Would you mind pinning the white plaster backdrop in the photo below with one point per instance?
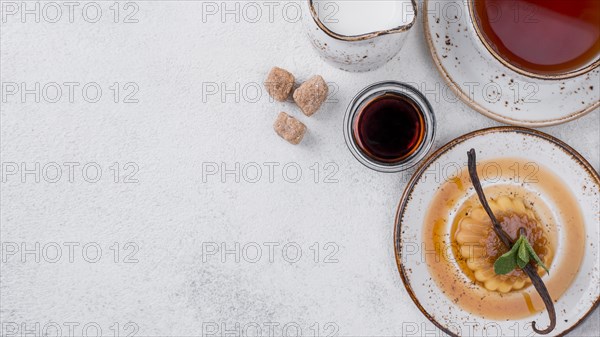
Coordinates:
(144, 252)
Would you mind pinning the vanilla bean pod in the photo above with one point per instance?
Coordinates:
(529, 270)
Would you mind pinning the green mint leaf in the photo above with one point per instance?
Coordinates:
(523, 255)
(507, 262)
(521, 263)
(534, 256)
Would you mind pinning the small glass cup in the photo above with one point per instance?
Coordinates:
(373, 91)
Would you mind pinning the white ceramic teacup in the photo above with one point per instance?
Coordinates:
(358, 35)
(522, 16)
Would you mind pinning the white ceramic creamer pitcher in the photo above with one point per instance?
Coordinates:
(358, 35)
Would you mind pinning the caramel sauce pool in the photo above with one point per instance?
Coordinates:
(560, 218)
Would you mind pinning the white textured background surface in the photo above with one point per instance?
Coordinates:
(171, 214)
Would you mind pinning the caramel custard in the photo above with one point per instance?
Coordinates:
(479, 247)
(458, 229)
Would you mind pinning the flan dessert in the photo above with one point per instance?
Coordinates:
(480, 247)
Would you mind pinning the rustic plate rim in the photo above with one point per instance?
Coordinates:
(435, 155)
(475, 106)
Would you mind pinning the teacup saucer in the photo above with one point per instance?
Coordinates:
(491, 88)
(540, 153)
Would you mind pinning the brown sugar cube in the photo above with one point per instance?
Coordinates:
(279, 83)
(311, 94)
(289, 128)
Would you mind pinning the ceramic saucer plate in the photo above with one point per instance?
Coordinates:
(581, 296)
(491, 88)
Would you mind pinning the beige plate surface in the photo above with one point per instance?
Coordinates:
(489, 87)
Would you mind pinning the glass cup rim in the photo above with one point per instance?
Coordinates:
(474, 19)
(379, 89)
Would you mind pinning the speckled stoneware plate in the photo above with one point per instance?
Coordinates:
(541, 153)
(488, 86)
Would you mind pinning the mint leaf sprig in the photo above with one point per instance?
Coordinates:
(519, 255)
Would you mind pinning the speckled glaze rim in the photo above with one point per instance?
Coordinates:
(471, 103)
(361, 37)
(559, 76)
(423, 167)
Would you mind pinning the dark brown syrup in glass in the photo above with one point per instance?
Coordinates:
(389, 128)
(546, 37)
